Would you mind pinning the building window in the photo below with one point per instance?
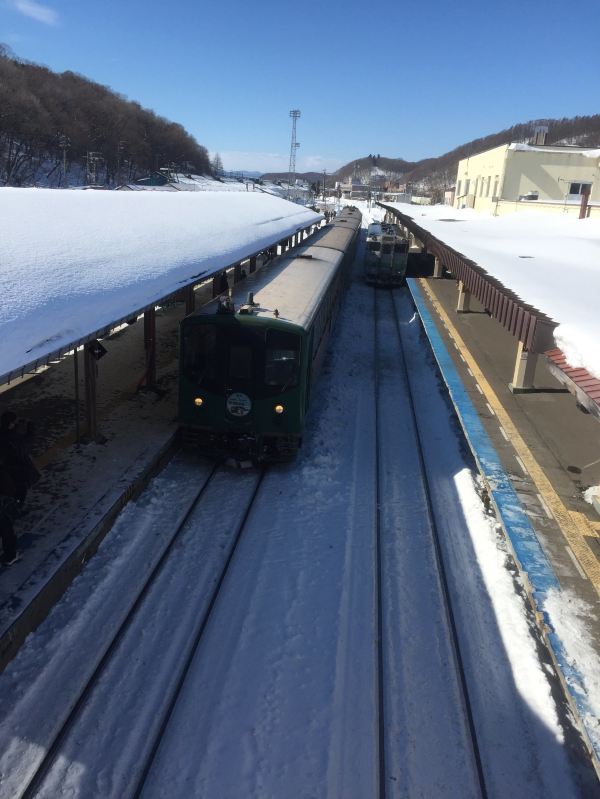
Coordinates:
(580, 188)
(467, 185)
(476, 187)
(496, 183)
(458, 188)
(487, 188)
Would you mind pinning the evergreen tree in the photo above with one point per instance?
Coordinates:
(217, 165)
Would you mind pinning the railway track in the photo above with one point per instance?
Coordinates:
(316, 631)
(424, 560)
(109, 701)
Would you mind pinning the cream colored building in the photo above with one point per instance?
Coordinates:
(518, 177)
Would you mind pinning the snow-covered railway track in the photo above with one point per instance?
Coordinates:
(410, 558)
(451, 641)
(106, 729)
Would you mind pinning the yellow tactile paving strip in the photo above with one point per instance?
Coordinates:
(575, 526)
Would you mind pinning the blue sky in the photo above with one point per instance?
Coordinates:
(404, 79)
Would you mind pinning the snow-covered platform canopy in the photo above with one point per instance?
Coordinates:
(74, 264)
(539, 274)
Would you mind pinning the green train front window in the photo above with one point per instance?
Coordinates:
(282, 358)
(240, 362)
(200, 353)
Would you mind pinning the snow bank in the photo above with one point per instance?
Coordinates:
(73, 262)
(551, 262)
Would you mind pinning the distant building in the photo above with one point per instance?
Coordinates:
(353, 189)
(515, 177)
(158, 178)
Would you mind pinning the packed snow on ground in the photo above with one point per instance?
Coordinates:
(548, 260)
(73, 262)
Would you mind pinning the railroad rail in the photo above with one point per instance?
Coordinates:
(389, 342)
(51, 770)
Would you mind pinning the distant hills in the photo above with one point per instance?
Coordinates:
(62, 129)
(435, 174)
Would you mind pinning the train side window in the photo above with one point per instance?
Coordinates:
(282, 358)
(240, 362)
(199, 353)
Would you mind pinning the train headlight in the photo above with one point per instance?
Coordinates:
(198, 401)
(279, 409)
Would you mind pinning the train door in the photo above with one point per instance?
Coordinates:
(242, 354)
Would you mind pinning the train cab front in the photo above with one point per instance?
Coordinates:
(240, 388)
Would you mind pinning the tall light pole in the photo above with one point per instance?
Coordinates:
(295, 115)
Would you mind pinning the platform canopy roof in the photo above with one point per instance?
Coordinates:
(74, 264)
(547, 263)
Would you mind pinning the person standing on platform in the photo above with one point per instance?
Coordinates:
(16, 438)
(8, 511)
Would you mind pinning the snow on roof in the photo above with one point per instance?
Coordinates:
(587, 152)
(73, 263)
(551, 261)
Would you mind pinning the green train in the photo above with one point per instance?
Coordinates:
(248, 364)
(386, 255)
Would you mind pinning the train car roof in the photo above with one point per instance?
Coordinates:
(335, 237)
(293, 284)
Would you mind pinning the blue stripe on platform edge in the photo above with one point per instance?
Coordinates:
(515, 522)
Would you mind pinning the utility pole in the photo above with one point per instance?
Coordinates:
(324, 175)
(295, 115)
(120, 148)
(65, 143)
(93, 158)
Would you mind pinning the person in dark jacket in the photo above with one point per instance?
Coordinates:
(16, 439)
(8, 512)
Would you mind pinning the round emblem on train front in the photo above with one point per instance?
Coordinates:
(239, 404)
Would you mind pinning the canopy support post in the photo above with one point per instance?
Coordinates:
(525, 364)
(464, 299)
(90, 365)
(150, 346)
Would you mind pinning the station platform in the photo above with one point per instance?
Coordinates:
(84, 485)
(548, 445)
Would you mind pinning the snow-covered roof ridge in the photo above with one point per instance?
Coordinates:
(74, 262)
(587, 152)
(550, 261)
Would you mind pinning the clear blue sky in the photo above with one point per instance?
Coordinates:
(404, 79)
